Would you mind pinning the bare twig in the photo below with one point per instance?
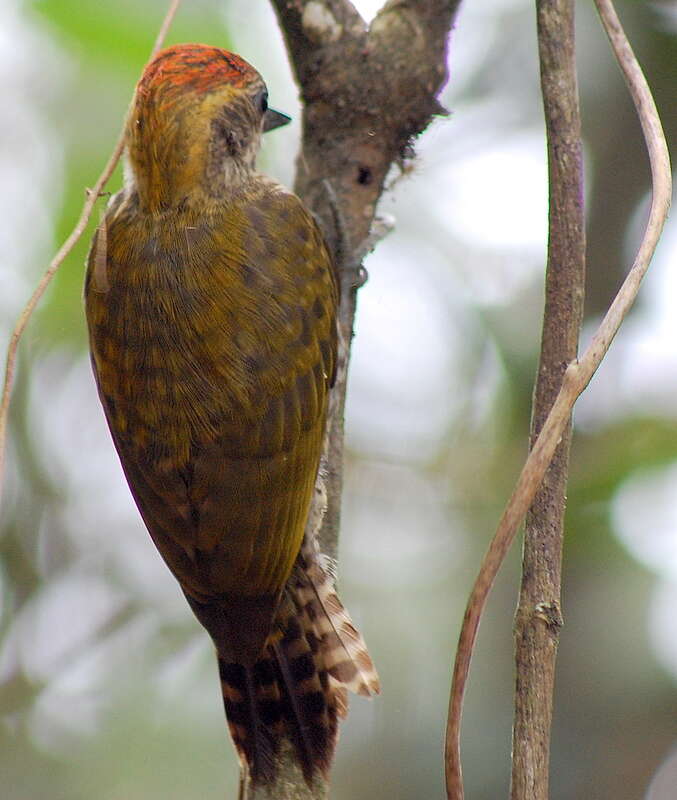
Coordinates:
(538, 617)
(577, 376)
(164, 27)
(92, 196)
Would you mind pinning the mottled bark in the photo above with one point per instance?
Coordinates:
(367, 91)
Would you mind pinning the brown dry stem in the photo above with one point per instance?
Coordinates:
(538, 617)
(92, 195)
(576, 377)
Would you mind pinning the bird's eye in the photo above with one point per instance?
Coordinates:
(262, 101)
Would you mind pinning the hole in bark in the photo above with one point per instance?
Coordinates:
(364, 176)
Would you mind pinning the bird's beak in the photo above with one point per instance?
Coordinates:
(274, 119)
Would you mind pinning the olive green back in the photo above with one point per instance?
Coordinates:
(213, 338)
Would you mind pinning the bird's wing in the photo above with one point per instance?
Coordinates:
(214, 345)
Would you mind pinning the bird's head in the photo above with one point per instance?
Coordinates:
(196, 124)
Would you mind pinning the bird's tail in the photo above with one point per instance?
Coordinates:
(298, 689)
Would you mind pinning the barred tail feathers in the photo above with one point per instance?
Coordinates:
(252, 703)
(285, 694)
(298, 689)
(342, 648)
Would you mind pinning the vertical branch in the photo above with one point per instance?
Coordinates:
(289, 782)
(538, 618)
(348, 74)
(555, 19)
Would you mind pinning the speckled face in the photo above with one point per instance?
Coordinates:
(209, 81)
(236, 128)
(198, 115)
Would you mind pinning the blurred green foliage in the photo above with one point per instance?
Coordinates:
(109, 43)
